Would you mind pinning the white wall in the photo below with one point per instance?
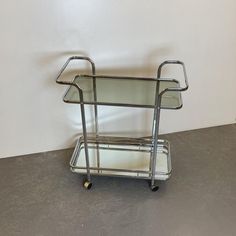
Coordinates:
(123, 37)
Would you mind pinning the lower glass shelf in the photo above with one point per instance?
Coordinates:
(115, 158)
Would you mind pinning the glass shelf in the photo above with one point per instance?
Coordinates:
(127, 160)
(124, 91)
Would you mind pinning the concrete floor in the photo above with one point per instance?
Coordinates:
(40, 196)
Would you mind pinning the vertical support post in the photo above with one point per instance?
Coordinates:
(95, 112)
(155, 133)
(85, 135)
(155, 141)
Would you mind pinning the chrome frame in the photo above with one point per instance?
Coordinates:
(121, 144)
(151, 142)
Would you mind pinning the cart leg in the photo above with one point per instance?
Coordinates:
(96, 117)
(87, 183)
(155, 131)
(154, 151)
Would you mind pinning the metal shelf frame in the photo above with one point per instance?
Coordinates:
(151, 144)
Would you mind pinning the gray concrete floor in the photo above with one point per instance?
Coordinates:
(40, 196)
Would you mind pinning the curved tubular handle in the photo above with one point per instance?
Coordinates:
(66, 64)
(184, 72)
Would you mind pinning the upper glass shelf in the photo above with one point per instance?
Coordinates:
(124, 91)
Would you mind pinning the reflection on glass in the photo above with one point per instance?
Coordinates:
(115, 91)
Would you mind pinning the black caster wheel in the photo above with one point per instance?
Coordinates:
(87, 184)
(154, 188)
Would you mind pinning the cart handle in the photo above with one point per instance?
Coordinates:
(184, 72)
(67, 63)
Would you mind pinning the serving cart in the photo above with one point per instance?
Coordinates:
(144, 157)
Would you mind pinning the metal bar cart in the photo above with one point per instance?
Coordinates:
(145, 157)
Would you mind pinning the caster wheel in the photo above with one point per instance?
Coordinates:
(87, 184)
(154, 188)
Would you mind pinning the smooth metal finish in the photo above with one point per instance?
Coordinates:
(95, 109)
(149, 145)
(156, 117)
(81, 105)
